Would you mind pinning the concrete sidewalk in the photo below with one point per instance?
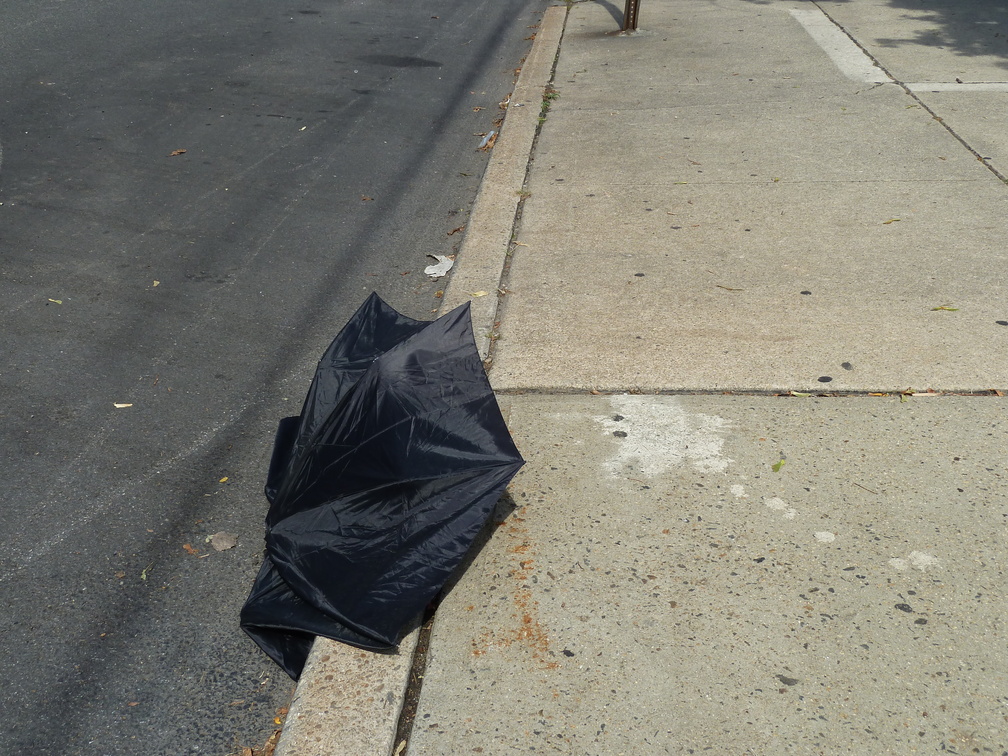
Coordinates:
(665, 591)
(752, 342)
(740, 199)
(692, 181)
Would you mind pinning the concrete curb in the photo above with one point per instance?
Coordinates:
(476, 277)
(348, 701)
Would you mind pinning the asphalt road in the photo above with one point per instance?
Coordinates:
(193, 198)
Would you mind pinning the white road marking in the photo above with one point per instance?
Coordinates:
(847, 56)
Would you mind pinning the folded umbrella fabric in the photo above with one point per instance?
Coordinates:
(379, 488)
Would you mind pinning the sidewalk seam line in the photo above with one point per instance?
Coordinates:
(519, 209)
(413, 688)
(414, 682)
(784, 393)
(487, 241)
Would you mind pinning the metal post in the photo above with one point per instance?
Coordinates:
(630, 15)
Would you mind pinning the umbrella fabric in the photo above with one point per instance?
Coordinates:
(381, 485)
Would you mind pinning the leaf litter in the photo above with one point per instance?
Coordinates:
(223, 540)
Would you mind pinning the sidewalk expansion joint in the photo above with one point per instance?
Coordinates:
(411, 696)
(512, 246)
(906, 394)
(477, 275)
(983, 160)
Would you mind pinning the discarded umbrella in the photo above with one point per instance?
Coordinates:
(378, 489)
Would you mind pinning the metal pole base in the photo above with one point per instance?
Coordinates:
(630, 15)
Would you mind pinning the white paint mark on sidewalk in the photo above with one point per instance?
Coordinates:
(919, 560)
(779, 505)
(656, 434)
(847, 56)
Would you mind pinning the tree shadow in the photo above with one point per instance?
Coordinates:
(967, 28)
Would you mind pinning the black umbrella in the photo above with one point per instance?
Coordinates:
(380, 486)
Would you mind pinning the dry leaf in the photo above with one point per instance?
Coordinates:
(268, 748)
(456, 230)
(223, 480)
(121, 405)
(56, 301)
(189, 549)
(223, 541)
(175, 153)
(365, 198)
(891, 220)
(477, 294)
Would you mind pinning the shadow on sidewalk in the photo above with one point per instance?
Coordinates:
(968, 28)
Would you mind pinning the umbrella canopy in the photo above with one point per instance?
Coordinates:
(380, 486)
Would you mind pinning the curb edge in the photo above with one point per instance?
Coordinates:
(485, 249)
(348, 700)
